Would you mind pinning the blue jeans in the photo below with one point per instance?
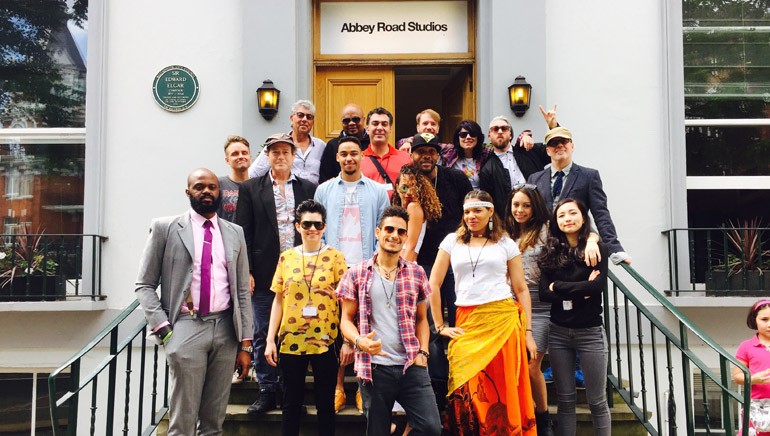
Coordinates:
(411, 389)
(261, 303)
(563, 345)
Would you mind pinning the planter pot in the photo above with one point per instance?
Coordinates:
(720, 283)
(33, 288)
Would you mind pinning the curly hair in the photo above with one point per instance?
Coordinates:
(494, 235)
(527, 233)
(426, 193)
(557, 253)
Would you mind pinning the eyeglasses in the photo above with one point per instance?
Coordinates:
(354, 119)
(500, 128)
(524, 185)
(390, 229)
(464, 135)
(302, 115)
(319, 225)
(403, 189)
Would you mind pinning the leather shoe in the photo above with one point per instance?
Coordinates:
(359, 402)
(339, 399)
(264, 403)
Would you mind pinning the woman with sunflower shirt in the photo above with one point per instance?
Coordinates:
(305, 319)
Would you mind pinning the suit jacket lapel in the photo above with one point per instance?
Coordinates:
(544, 185)
(268, 202)
(573, 176)
(186, 235)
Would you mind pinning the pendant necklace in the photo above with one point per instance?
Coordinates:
(388, 298)
(474, 265)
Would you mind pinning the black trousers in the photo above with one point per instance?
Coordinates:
(293, 369)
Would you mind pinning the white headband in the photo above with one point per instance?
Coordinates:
(478, 204)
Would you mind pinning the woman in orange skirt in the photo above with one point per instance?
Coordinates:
(488, 373)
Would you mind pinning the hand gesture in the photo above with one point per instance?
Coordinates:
(592, 255)
(407, 145)
(452, 332)
(370, 345)
(525, 140)
(549, 116)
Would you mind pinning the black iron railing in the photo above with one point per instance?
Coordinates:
(86, 369)
(720, 261)
(50, 267)
(652, 364)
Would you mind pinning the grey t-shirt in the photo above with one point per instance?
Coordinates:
(229, 191)
(384, 320)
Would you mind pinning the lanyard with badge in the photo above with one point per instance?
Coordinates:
(309, 310)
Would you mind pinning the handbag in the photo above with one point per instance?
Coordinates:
(759, 414)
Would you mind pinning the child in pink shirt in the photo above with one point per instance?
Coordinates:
(755, 354)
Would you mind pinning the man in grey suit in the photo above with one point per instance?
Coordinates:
(204, 309)
(566, 179)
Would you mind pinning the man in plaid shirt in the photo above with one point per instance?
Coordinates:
(388, 295)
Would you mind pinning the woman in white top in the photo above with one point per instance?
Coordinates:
(488, 374)
(416, 194)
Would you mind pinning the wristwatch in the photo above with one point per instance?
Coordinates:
(247, 348)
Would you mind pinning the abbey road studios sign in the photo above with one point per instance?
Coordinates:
(176, 88)
(394, 27)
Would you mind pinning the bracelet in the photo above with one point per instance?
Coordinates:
(529, 330)
(355, 344)
(424, 353)
(346, 342)
(168, 335)
(440, 328)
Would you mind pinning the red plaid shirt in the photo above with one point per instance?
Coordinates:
(411, 288)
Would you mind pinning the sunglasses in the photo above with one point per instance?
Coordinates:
(464, 135)
(354, 119)
(302, 115)
(557, 142)
(319, 225)
(500, 128)
(390, 229)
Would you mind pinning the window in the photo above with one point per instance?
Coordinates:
(42, 114)
(727, 112)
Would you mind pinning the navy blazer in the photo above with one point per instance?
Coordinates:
(256, 214)
(582, 184)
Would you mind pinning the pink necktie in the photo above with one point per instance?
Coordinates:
(205, 297)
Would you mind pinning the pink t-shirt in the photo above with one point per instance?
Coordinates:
(757, 359)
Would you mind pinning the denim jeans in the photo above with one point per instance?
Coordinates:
(411, 389)
(293, 369)
(261, 303)
(563, 345)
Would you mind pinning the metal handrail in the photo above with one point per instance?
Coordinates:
(77, 384)
(627, 318)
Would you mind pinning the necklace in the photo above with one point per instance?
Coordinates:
(388, 298)
(474, 265)
(384, 272)
(315, 265)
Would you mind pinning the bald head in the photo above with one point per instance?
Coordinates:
(203, 192)
(350, 113)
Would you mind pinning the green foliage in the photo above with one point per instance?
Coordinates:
(26, 256)
(30, 79)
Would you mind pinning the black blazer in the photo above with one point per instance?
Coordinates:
(582, 184)
(256, 214)
(494, 178)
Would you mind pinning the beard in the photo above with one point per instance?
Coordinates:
(202, 208)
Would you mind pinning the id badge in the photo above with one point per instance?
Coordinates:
(566, 304)
(311, 311)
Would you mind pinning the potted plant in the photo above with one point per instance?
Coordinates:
(27, 270)
(743, 269)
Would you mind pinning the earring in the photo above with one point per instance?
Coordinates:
(490, 224)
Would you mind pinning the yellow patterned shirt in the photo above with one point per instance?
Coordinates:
(311, 318)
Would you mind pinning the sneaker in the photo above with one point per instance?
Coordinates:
(264, 403)
(339, 399)
(359, 402)
(236, 378)
(579, 379)
(548, 375)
